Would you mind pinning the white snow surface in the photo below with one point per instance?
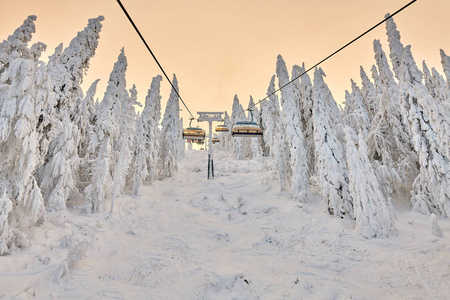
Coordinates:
(235, 237)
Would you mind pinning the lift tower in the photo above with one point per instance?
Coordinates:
(210, 117)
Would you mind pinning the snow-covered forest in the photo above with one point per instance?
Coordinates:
(67, 157)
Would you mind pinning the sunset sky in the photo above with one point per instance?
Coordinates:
(221, 48)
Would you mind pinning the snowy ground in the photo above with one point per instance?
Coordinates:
(235, 237)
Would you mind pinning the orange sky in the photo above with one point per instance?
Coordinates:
(221, 48)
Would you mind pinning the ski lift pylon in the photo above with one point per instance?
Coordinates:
(246, 128)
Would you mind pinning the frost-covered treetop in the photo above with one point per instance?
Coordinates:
(17, 42)
(411, 73)
(76, 57)
(395, 44)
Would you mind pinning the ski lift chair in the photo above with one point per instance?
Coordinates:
(246, 128)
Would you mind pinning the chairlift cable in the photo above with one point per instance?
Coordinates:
(154, 57)
(334, 53)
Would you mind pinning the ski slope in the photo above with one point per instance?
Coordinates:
(235, 237)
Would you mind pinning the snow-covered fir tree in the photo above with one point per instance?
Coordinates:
(59, 173)
(356, 115)
(332, 173)
(389, 142)
(106, 134)
(170, 134)
(373, 212)
(306, 108)
(395, 45)
(445, 61)
(369, 95)
(237, 115)
(140, 153)
(24, 90)
(436, 84)
(66, 71)
(181, 152)
(294, 134)
(122, 148)
(256, 151)
(278, 145)
(84, 118)
(151, 116)
(431, 188)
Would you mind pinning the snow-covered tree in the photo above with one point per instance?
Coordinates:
(373, 212)
(67, 67)
(395, 45)
(59, 173)
(306, 108)
(84, 119)
(122, 148)
(445, 61)
(170, 134)
(22, 95)
(428, 125)
(356, 115)
(16, 45)
(256, 151)
(277, 136)
(106, 134)
(332, 172)
(294, 133)
(181, 151)
(369, 95)
(237, 115)
(436, 84)
(389, 140)
(138, 166)
(58, 176)
(151, 116)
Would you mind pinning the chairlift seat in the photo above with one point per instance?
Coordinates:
(222, 128)
(246, 129)
(194, 133)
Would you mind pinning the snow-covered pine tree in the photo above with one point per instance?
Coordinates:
(226, 139)
(6, 207)
(106, 133)
(122, 148)
(442, 90)
(389, 141)
(395, 45)
(138, 166)
(237, 115)
(150, 117)
(59, 173)
(306, 108)
(445, 61)
(181, 151)
(332, 172)
(356, 115)
(170, 134)
(67, 67)
(294, 134)
(377, 82)
(16, 45)
(428, 125)
(373, 212)
(369, 95)
(84, 118)
(256, 151)
(22, 95)
(67, 75)
(277, 143)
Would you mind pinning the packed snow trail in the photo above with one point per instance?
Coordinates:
(235, 237)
